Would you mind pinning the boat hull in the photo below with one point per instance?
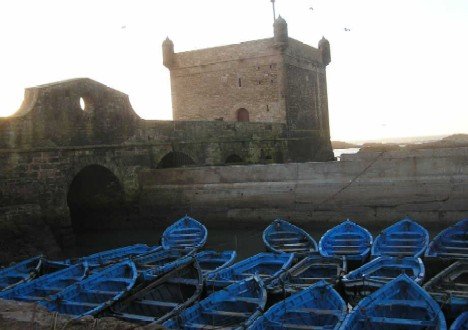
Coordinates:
(347, 240)
(268, 266)
(185, 234)
(400, 304)
(372, 276)
(305, 273)
(231, 308)
(46, 285)
(451, 243)
(461, 322)
(405, 238)
(92, 295)
(163, 298)
(282, 236)
(316, 307)
(19, 272)
(450, 289)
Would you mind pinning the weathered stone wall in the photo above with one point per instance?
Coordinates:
(24, 233)
(430, 185)
(212, 84)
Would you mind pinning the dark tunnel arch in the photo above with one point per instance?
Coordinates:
(233, 159)
(175, 159)
(95, 198)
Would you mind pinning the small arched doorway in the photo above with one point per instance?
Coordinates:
(233, 159)
(242, 115)
(95, 198)
(175, 159)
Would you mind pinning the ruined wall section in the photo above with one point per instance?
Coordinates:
(51, 115)
(212, 84)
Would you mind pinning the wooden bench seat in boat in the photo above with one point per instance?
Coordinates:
(157, 303)
(397, 321)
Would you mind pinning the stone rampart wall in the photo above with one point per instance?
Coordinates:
(430, 185)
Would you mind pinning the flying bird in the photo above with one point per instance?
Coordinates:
(346, 29)
(311, 8)
(123, 27)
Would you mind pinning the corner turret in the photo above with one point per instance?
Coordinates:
(280, 28)
(324, 47)
(168, 52)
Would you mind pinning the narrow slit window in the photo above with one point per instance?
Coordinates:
(240, 82)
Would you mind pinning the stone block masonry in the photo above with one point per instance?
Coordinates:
(430, 185)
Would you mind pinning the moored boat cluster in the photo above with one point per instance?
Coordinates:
(346, 281)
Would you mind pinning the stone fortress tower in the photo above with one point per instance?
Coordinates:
(277, 80)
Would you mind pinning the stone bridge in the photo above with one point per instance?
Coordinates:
(76, 148)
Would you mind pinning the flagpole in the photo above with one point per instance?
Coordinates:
(274, 14)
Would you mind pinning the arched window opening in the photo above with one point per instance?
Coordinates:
(86, 103)
(175, 159)
(242, 115)
(233, 159)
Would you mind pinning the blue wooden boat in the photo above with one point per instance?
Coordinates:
(450, 289)
(153, 264)
(282, 236)
(96, 292)
(317, 307)
(46, 285)
(461, 322)
(212, 261)
(19, 272)
(451, 243)
(163, 298)
(347, 239)
(230, 308)
(406, 238)
(306, 272)
(103, 258)
(399, 304)
(267, 266)
(185, 233)
(375, 274)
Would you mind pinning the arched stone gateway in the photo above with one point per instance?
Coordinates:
(175, 159)
(95, 198)
(233, 159)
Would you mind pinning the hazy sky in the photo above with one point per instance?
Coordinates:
(402, 70)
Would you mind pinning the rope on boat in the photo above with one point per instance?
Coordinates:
(55, 321)
(380, 155)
